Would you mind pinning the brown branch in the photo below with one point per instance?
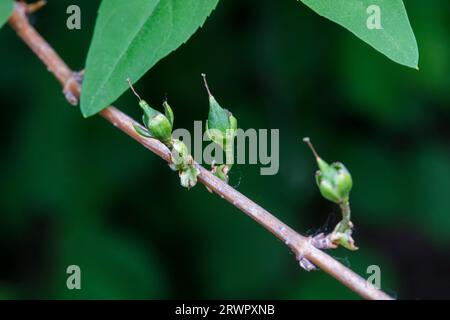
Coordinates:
(301, 246)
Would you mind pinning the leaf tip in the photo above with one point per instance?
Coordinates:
(86, 106)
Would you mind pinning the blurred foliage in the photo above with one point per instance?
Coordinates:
(78, 191)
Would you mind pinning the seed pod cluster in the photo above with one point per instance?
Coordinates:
(159, 126)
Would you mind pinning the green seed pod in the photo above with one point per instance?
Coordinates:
(159, 126)
(334, 181)
(327, 190)
(343, 181)
(221, 125)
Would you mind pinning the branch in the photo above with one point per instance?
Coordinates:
(301, 246)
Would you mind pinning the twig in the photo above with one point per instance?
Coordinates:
(36, 6)
(301, 246)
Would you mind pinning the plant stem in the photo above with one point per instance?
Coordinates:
(229, 157)
(345, 222)
(300, 245)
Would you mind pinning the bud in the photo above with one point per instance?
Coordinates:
(188, 176)
(221, 126)
(183, 163)
(334, 181)
(180, 155)
(159, 126)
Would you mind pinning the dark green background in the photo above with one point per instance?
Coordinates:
(77, 191)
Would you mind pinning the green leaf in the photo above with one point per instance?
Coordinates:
(395, 39)
(6, 8)
(129, 38)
